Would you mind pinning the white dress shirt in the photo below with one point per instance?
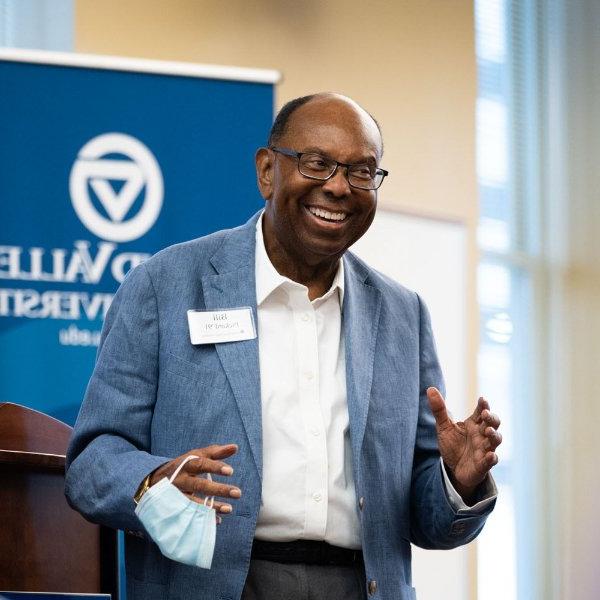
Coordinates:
(308, 486)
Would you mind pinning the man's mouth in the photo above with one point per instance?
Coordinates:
(326, 215)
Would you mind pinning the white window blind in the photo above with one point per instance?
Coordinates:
(507, 168)
(38, 24)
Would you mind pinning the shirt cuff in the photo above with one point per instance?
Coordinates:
(486, 493)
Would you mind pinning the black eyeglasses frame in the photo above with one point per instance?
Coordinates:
(298, 155)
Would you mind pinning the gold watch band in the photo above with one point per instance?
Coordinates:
(144, 486)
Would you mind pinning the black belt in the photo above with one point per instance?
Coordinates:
(310, 552)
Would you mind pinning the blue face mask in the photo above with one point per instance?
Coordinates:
(184, 530)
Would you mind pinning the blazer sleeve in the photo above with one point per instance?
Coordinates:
(435, 524)
(108, 455)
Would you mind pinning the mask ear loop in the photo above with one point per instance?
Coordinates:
(212, 498)
(187, 459)
(183, 462)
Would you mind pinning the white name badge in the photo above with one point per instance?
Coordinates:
(215, 326)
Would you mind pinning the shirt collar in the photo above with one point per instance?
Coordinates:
(268, 279)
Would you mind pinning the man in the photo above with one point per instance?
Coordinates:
(323, 423)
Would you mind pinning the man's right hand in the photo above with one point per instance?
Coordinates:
(209, 462)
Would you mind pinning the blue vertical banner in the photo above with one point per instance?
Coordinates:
(103, 162)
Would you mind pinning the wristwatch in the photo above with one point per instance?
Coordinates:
(144, 487)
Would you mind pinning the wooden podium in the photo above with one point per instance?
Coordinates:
(45, 546)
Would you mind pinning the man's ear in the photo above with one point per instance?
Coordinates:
(264, 172)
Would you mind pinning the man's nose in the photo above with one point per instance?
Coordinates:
(338, 185)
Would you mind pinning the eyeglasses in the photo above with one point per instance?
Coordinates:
(316, 166)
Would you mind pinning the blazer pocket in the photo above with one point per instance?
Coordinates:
(189, 370)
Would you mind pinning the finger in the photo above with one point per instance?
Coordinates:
(217, 451)
(438, 407)
(220, 507)
(211, 452)
(489, 460)
(494, 438)
(491, 419)
(207, 465)
(223, 507)
(199, 485)
(482, 404)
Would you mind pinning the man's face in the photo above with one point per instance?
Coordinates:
(337, 129)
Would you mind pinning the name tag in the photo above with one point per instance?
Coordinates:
(215, 326)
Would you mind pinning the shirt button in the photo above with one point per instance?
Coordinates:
(317, 497)
(309, 375)
(306, 317)
(315, 432)
(361, 502)
(372, 587)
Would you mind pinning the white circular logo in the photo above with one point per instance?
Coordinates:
(139, 172)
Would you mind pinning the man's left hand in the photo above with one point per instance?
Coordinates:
(467, 447)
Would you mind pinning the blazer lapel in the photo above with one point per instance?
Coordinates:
(232, 287)
(360, 323)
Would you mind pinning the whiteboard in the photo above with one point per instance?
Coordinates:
(429, 256)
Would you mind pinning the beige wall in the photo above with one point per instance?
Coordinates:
(409, 62)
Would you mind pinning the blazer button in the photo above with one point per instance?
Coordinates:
(361, 502)
(372, 587)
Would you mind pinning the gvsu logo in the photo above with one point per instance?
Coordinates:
(138, 171)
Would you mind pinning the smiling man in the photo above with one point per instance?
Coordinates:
(315, 211)
(326, 434)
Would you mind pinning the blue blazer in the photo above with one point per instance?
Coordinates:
(154, 396)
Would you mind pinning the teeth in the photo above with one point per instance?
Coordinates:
(339, 216)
